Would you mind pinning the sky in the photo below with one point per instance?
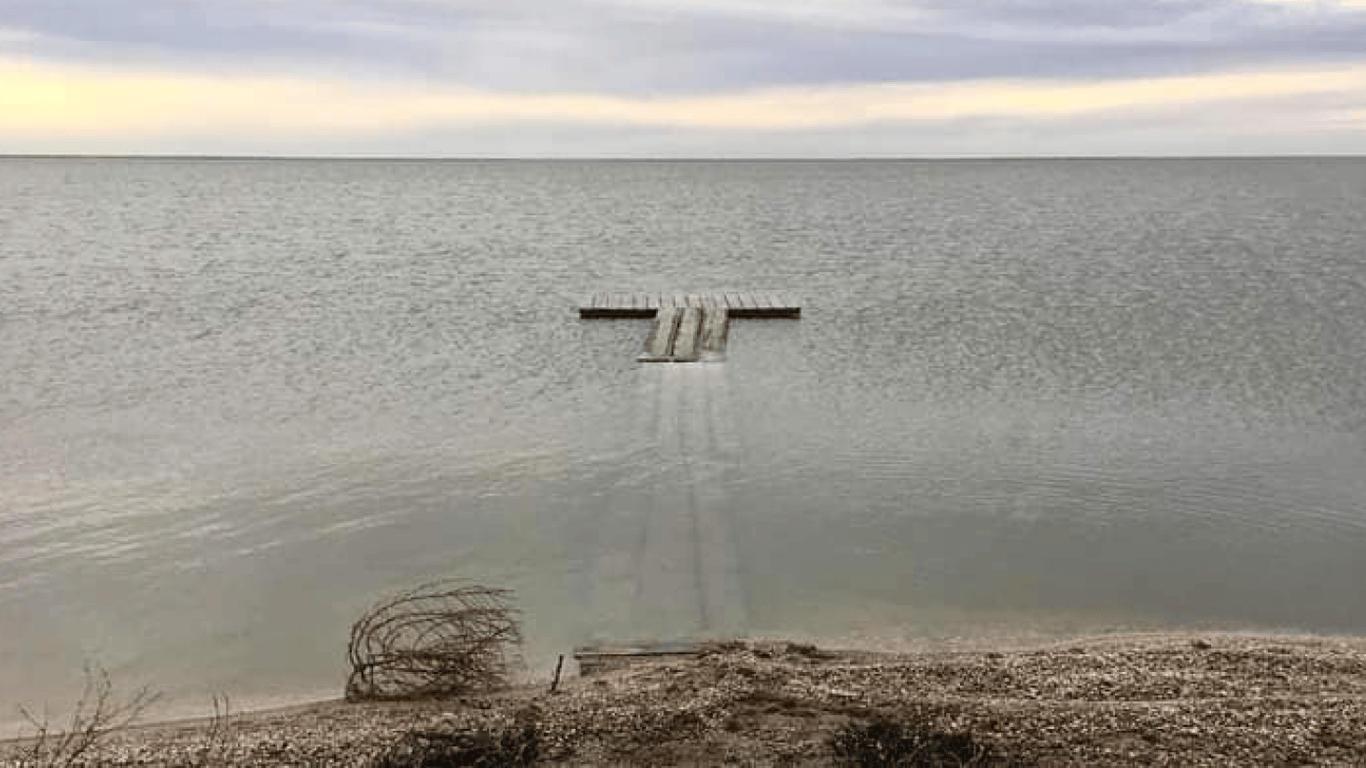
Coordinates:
(683, 78)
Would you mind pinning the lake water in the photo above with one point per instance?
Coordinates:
(241, 400)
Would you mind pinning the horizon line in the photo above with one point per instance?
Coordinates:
(660, 158)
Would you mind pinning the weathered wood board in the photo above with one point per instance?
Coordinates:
(659, 347)
(689, 329)
(715, 323)
(747, 304)
(596, 659)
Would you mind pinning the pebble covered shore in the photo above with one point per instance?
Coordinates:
(1190, 700)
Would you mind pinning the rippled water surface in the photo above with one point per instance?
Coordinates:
(240, 400)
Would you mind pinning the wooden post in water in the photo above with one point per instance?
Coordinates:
(556, 682)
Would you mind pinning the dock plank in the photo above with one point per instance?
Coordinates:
(715, 324)
(598, 659)
(689, 329)
(659, 346)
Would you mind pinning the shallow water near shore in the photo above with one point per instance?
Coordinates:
(241, 400)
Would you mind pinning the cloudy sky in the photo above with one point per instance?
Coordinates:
(683, 77)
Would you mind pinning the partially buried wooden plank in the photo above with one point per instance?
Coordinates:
(689, 328)
(659, 346)
(714, 325)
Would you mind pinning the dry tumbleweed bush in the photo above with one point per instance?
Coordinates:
(442, 638)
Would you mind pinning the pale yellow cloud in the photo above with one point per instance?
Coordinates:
(1325, 4)
(46, 100)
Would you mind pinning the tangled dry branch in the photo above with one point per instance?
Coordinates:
(440, 639)
(97, 713)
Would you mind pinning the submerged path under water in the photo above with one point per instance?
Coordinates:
(681, 578)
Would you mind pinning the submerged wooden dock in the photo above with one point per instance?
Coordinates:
(688, 327)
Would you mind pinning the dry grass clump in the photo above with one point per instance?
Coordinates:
(444, 638)
(884, 742)
(439, 749)
(96, 714)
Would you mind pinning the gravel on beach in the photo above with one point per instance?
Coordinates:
(1188, 700)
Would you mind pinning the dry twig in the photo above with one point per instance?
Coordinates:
(96, 714)
(211, 750)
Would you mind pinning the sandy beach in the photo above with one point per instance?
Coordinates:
(1147, 699)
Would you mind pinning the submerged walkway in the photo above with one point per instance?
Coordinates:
(667, 567)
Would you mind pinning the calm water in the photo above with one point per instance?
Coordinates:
(241, 400)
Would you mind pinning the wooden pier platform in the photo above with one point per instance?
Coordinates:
(743, 304)
(688, 326)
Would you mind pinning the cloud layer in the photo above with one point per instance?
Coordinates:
(817, 76)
